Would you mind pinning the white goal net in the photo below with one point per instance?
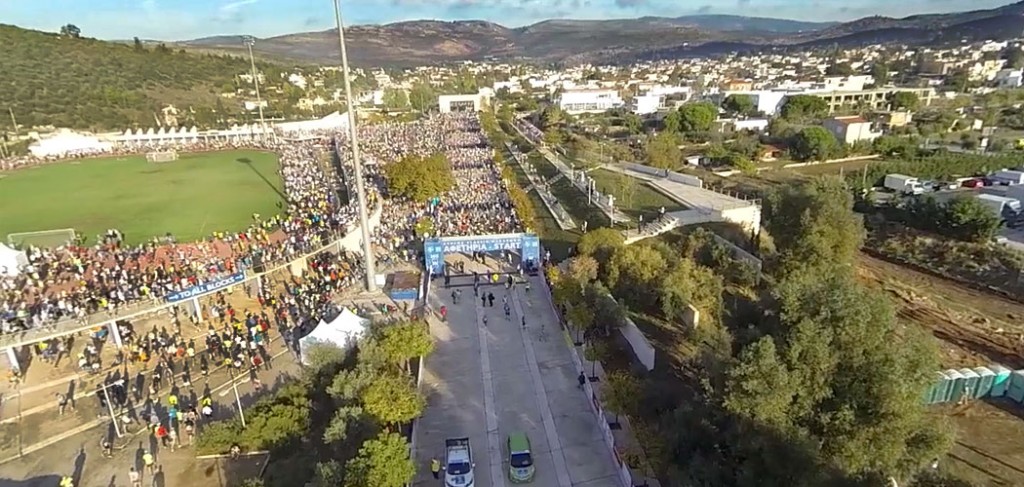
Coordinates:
(162, 156)
(45, 239)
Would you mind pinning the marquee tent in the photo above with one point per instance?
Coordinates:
(341, 331)
(11, 260)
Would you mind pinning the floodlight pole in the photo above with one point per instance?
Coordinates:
(249, 41)
(371, 284)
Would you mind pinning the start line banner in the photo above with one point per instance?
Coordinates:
(207, 287)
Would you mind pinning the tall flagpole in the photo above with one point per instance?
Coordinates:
(371, 284)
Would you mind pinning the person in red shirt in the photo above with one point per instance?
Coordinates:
(444, 313)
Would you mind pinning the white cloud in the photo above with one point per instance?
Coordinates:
(234, 6)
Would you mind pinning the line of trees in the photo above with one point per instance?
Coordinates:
(800, 378)
(341, 423)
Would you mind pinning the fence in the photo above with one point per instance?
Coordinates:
(155, 305)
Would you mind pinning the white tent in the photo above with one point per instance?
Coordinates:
(11, 261)
(342, 331)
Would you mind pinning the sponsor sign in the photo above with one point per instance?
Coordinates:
(207, 287)
(434, 249)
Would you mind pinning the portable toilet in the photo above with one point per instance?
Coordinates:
(985, 380)
(956, 386)
(1015, 390)
(970, 382)
(1001, 382)
(936, 392)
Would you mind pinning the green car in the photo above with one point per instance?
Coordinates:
(520, 461)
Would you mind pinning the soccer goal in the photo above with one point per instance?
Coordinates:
(162, 156)
(45, 239)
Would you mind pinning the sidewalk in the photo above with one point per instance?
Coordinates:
(565, 222)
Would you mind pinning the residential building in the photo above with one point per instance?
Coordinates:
(850, 130)
(646, 104)
(589, 101)
(766, 101)
(738, 85)
(875, 99)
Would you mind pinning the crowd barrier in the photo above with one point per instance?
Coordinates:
(155, 305)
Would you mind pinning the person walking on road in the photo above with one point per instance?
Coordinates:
(149, 462)
(582, 379)
(444, 313)
(435, 468)
(490, 299)
(134, 478)
(63, 402)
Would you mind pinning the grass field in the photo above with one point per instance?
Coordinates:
(190, 198)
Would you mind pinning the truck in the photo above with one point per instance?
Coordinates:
(1006, 209)
(458, 463)
(903, 184)
(1009, 177)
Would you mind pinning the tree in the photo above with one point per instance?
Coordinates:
(596, 351)
(689, 283)
(739, 104)
(600, 244)
(814, 226)
(968, 219)
(663, 151)
(348, 385)
(392, 399)
(419, 178)
(673, 122)
(382, 462)
(621, 394)
(814, 143)
(804, 107)
(583, 270)
(70, 30)
(905, 100)
(422, 97)
(395, 99)
(328, 474)
(697, 117)
(633, 123)
(633, 271)
(344, 419)
(838, 69)
(1014, 57)
(891, 145)
(880, 71)
(402, 342)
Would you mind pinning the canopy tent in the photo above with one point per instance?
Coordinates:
(11, 261)
(342, 331)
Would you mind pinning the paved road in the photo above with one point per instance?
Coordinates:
(486, 381)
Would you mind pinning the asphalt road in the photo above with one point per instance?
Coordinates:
(486, 381)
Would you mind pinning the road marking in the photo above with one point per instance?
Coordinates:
(493, 439)
(554, 443)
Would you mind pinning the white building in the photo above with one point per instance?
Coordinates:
(850, 130)
(589, 101)
(252, 105)
(646, 104)
(1009, 78)
(463, 103)
(766, 101)
(297, 80)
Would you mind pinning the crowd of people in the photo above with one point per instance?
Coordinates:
(74, 281)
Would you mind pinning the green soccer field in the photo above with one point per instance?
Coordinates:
(191, 197)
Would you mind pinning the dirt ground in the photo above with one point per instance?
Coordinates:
(974, 329)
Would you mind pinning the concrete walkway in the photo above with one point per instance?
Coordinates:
(565, 222)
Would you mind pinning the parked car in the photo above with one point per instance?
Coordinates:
(973, 183)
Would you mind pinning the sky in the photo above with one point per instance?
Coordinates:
(189, 19)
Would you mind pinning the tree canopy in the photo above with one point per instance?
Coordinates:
(697, 117)
(739, 104)
(663, 151)
(419, 178)
(804, 107)
(382, 462)
(814, 143)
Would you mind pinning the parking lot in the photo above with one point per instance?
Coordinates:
(487, 379)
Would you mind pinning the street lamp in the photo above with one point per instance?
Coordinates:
(249, 42)
(371, 284)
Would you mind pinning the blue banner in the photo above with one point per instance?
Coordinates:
(207, 287)
(434, 249)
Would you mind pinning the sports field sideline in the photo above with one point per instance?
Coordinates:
(191, 197)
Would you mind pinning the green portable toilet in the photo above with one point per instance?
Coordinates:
(971, 380)
(956, 386)
(1001, 382)
(985, 380)
(940, 391)
(1015, 390)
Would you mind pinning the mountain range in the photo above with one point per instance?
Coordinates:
(621, 40)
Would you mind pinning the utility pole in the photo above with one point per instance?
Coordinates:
(371, 284)
(249, 42)
(14, 121)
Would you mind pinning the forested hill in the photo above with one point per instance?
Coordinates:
(71, 81)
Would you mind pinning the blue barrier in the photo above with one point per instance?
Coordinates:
(207, 287)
